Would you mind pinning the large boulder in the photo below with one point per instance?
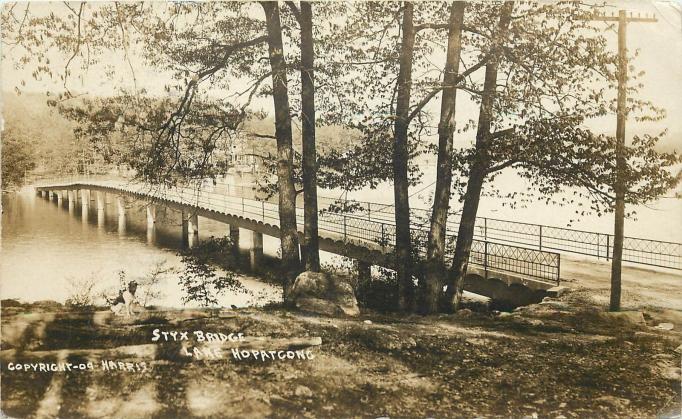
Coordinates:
(319, 293)
(310, 284)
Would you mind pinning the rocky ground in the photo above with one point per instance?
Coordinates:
(564, 357)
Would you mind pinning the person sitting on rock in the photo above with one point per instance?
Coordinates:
(126, 303)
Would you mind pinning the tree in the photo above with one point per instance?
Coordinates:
(285, 176)
(435, 259)
(479, 167)
(311, 248)
(208, 272)
(403, 238)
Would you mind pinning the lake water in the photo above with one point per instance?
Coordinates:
(45, 248)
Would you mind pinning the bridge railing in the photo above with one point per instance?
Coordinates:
(658, 253)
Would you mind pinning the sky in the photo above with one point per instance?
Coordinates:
(659, 45)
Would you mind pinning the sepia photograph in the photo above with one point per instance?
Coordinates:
(341, 209)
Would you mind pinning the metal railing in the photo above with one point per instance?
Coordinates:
(347, 227)
(658, 253)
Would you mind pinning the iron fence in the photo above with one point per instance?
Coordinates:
(658, 253)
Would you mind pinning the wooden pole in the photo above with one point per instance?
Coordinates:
(619, 187)
(618, 229)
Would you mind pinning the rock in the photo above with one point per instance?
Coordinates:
(318, 306)
(505, 314)
(319, 293)
(310, 284)
(679, 349)
(665, 326)
(475, 302)
(345, 298)
(367, 322)
(303, 391)
(464, 312)
(557, 291)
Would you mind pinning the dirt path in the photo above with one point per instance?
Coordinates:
(642, 287)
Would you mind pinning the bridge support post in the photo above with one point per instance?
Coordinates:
(121, 206)
(185, 228)
(194, 225)
(121, 209)
(234, 236)
(101, 200)
(72, 201)
(190, 228)
(256, 251)
(364, 271)
(60, 198)
(151, 234)
(85, 200)
(151, 215)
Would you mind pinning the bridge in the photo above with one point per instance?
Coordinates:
(508, 259)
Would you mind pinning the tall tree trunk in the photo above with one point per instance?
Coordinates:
(479, 168)
(435, 257)
(403, 244)
(285, 172)
(312, 246)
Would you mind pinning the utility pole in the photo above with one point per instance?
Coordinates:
(618, 230)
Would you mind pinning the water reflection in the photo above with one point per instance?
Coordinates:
(45, 245)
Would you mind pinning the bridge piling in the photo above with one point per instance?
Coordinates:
(190, 228)
(194, 225)
(256, 251)
(60, 198)
(120, 206)
(185, 228)
(101, 200)
(72, 204)
(151, 215)
(234, 236)
(364, 271)
(85, 200)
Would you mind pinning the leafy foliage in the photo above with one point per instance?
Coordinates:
(18, 158)
(207, 273)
